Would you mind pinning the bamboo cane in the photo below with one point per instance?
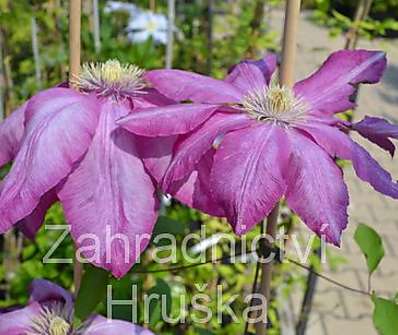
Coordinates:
(170, 33)
(286, 78)
(74, 68)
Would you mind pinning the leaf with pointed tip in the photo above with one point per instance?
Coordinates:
(92, 291)
(371, 245)
(385, 316)
(161, 294)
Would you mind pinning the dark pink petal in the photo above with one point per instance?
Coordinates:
(167, 120)
(156, 154)
(98, 325)
(151, 98)
(246, 77)
(330, 89)
(32, 223)
(247, 174)
(195, 191)
(190, 148)
(316, 189)
(46, 292)
(378, 131)
(19, 322)
(248, 74)
(182, 85)
(338, 144)
(60, 124)
(11, 133)
(109, 198)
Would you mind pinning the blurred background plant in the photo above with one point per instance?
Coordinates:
(338, 16)
(211, 36)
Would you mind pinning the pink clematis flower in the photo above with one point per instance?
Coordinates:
(65, 145)
(50, 311)
(266, 142)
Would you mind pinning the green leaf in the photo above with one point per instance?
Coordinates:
(202, 331)
(92, 291)
(371, 245)
(161, 293)
(385, 316)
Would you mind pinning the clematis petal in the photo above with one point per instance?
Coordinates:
(19, 321)
(156, 154)
(59, 127)
(31, 224)
(330, 89)
(167, 120)
(338, 144)
(252, 161)
(195, 191)
(109, 198)
(190, 149)
(99, 325)
(316, 189)
(378, 131)
(249, 74)
(193, 86)
(151, 98)
(11, 133)
(246, 77)
(44, 292)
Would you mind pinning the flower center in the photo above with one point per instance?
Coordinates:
(111, 78)
(275, 103)
(52, 320)
(59, 326)
(151, 26)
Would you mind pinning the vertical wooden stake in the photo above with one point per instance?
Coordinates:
(209, 33)
(152, 5)
(74, 68)
(74, 38)
(36, 53)
(96, 19)
(289, 44)
(362, 11)
(286, 78)
(170, 33)
(2, 80)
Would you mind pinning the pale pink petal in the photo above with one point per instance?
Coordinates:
(247, 174)
(316, 189)
(182, 85)
(32, 223)
(248, 74)
(195, 191)
(109, 198)
(190, 148)
(331, 89)
(19, 321)
(60, 124)
(98, 325)
(378, 131)
(11, 133)
(167, 120)
(338, 144)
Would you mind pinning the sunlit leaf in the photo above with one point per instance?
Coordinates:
(371, 245)
(385, 316)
